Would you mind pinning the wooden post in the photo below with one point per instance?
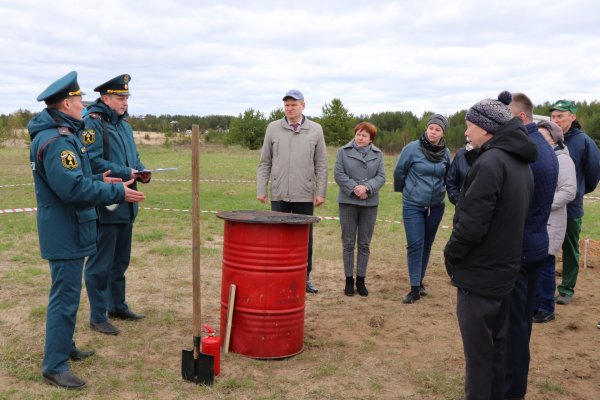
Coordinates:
(196, 230)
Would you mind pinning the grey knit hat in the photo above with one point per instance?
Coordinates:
(555, 131)
(439, 120)
(490, 114)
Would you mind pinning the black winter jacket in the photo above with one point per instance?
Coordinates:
(483, 253)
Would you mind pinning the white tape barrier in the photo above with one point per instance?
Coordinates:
(223, 181)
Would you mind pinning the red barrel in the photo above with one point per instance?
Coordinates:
(265, 255)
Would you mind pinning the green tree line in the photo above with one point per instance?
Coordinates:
(395, 128)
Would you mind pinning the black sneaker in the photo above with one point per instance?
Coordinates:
(411, 297)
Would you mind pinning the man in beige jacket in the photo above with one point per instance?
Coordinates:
(294, 158)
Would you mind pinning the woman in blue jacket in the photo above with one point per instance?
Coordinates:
(360, 174)
(420, 175)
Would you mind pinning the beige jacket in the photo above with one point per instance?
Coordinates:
(296, 163)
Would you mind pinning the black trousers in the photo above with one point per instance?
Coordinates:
(483, 323)
(522, 305)
(298, 208)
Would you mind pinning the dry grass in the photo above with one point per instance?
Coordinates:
(354, 348)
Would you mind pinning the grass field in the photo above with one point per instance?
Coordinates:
(371, 348)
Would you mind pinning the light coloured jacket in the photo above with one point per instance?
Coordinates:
(566, 189)
(352, 169)
(296, 163)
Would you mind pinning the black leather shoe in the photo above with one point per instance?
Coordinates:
(78, 355)
(126, 315)
(65, 380)
(105, 327)
(310, 288)
(541, 316)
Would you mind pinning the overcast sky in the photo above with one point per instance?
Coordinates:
(223, 57)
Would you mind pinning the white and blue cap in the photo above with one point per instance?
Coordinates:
(293, 94)
(61, 89)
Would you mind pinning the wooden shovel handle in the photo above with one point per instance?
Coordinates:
(196, 305)
(230, 307)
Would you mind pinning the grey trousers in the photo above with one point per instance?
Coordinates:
(357, 224)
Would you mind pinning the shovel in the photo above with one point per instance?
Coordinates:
(195, 366)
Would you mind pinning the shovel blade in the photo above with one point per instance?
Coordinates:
(200, 371)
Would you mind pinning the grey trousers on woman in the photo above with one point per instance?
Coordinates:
(357, 224)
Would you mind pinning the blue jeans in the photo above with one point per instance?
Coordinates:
(421, 225)
(544, 300)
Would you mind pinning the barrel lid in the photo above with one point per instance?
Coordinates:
(267, 217)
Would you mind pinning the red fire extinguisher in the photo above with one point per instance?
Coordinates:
(211, 344)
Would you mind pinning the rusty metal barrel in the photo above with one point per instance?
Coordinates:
(265, 256)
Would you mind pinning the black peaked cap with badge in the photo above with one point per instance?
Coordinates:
(61, 89)
(118, 85)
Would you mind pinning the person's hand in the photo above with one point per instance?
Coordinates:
(145, 176)
(134, 173)
(262, 198)
(109, 179)
(133, 196)
(318, 201)
(449, 264)
(360, 191)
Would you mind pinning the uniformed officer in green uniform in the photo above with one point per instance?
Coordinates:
(66, 196)
(109, 140)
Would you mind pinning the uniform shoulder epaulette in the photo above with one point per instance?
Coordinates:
(63, 131)
(94, 115)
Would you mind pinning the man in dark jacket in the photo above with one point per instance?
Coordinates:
(457, 173)
(586, 158)
(483, 254)
(109, 139)
(535, 251)
(66, 195)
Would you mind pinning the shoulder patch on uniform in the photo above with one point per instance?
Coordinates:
(94, 115)
(69, 159)
(63, 130)
(88, 136)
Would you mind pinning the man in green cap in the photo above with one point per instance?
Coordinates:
(109, 139)
(586, 157)
(66, 195)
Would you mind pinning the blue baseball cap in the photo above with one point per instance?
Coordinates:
(293, 94)
(61, 89)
